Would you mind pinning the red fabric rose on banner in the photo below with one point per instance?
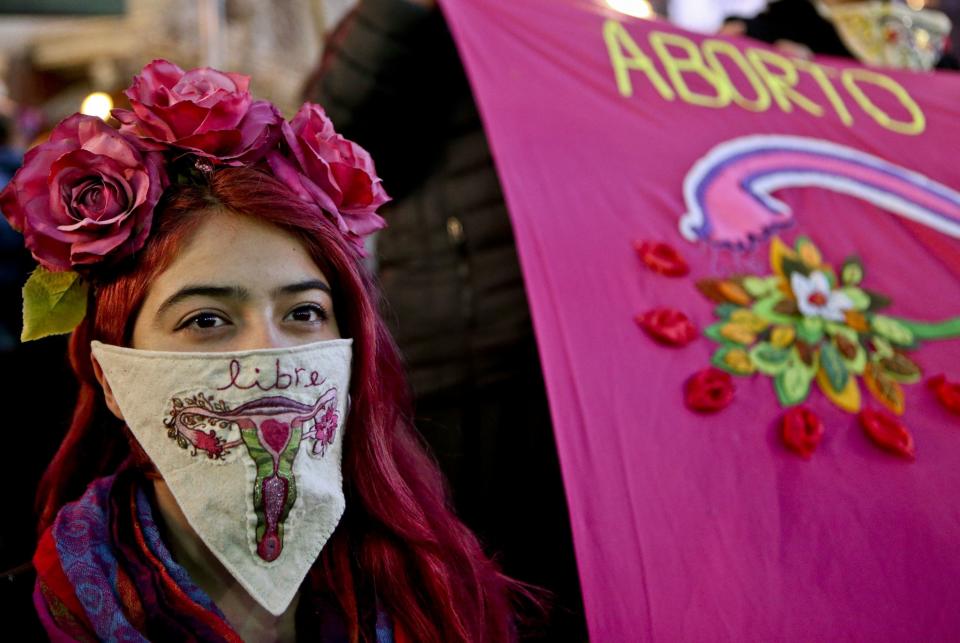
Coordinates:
(662, 258)
(709, 391)
(801, 430)
(668, 326)
(947, 392)
(202, 111)
(887, 432)
(336, 174)
(86, 194)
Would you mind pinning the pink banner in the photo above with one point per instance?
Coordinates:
(816, 207)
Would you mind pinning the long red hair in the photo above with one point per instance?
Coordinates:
(398, 539)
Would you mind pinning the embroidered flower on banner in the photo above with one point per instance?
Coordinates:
(808, 323)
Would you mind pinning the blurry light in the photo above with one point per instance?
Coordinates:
(916, 5)
(637, 8)
(97, 104)
(922, 37)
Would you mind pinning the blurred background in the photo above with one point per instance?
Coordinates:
(56, 54)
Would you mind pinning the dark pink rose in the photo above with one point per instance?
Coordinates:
(202, 111)
(326, 169)
(86, 194)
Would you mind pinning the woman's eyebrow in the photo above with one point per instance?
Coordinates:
(303, 286)
(218, 292)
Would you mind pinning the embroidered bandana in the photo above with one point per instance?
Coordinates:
(249, 444)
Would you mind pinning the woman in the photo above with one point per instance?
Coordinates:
(219, 407)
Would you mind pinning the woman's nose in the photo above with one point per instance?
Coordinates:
(263, 332)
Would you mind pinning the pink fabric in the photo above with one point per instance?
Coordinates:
(705, 528)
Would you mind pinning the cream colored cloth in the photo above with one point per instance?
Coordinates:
(888, 34)
(249, 444)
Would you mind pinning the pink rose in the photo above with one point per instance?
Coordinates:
(203, 111)
(326, 169)
(85, 194)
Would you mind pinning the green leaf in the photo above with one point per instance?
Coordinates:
(792, 265)
(757, 287)
(723, 311)
(848, 340)
(733, 359)
(893, 330)
(901, 368)
(765, 308)
(877, 301)
(713, 332)
(810, 329)
(860, 299)
(793, 383)
(769, 359)
(53, 303)
(851, 273)
(882, 348)
(833, 366)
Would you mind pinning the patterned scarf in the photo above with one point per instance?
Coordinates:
(103, 573)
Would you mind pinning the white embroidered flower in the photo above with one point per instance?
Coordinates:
(815, 299)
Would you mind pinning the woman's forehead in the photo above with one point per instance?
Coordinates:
(238, 251)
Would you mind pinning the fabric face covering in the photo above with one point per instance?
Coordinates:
(249, 444)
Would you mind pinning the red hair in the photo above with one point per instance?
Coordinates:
(398, 534)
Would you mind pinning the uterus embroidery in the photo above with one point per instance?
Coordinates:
(272, 430)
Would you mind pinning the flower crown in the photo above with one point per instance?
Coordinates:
(86, 196)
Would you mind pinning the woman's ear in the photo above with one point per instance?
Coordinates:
(107, 391)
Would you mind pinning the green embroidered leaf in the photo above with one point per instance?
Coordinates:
(893, 330)
(901, 368)
(851, 273)
(723, 311)
(810, 329)
(860, 299)
(792, 265)
(877, 301)
(793, 383)
(835, 328)
(757, 287)
(733, 359)
(833, 366)
(881, 348)
(713, 332)
(769, 359)
(767, 309)
(53, 303)
(848, 345)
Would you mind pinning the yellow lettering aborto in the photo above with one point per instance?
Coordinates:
(781, 85)
(620, 43)
(713, 48)
(917, 122)
(821, 75)
(693, 63)
(773, 78)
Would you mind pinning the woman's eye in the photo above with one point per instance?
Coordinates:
(203, 321)
(308, 313)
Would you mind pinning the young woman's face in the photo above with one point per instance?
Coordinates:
(236, 284)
